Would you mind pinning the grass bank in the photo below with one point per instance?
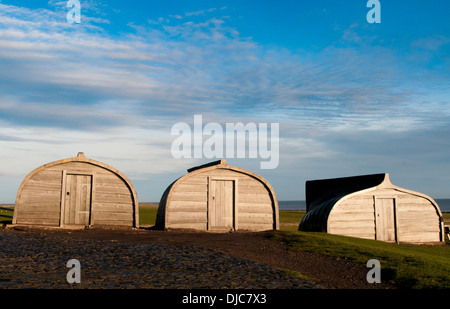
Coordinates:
(6, 214)
(405, 266)
(147, 214)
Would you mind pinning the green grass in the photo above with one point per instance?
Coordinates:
(147, 214)
(295, 273)
(6, 214)
(406, 266)
(291, 216)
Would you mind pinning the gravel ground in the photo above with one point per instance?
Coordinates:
(30, 260)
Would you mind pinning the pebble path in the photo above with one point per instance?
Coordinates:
(36, 261)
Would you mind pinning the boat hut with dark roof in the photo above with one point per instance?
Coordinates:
(76, 192)
(219, 197)
(371, 207)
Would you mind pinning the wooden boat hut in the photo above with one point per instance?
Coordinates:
(219, 197)
(76, 192)
(371, 207)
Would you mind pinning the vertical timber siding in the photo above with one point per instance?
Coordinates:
(353, 217)
(39, 200)
(415, 217)
(42, 196)
(370, 206)
(185, 203)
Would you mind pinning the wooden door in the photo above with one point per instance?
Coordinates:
(385, 219)
(77, 200)
(221, 205)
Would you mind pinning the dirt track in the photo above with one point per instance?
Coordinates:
(183, 259)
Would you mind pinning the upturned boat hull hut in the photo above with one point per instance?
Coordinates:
(76, 192)
(371, 207)
(219, 197)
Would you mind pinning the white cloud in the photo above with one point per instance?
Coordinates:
(194, 65)
(65, 89)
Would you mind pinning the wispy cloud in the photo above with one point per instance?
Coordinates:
(195, 65)
(77, 87)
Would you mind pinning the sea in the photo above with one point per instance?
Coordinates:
(444, 205)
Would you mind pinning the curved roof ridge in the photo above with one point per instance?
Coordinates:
(219, 164)
(223, 164)
(79, 158)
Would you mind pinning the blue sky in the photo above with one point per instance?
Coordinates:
(350, 97)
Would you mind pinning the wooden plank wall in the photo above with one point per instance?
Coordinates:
(416, 217)
(188, 204)
(40, 200)
(354, 217)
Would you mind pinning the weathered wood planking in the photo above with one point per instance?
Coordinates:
(219, 197)
(76, 191)
(380, 211)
